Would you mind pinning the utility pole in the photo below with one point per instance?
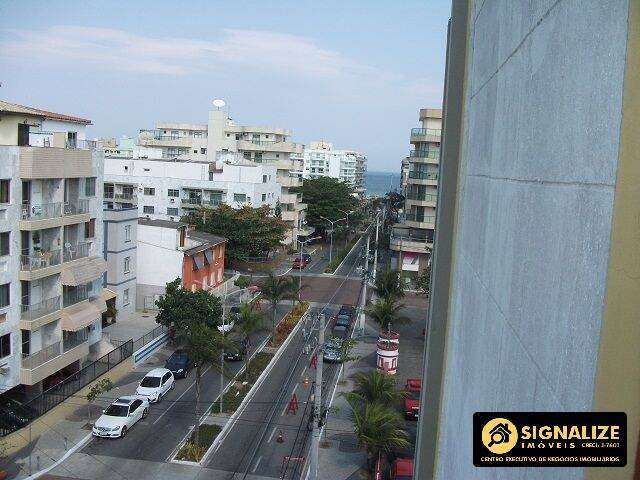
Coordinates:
(332, 222)
(375, 251)
(317, 407)
(224, 334)
(363, 296)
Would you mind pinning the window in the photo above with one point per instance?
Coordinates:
(127, 233)
(5, 345)
(173, 192)
(264, 197)
(264, 179)
(147, 209)
(4, 191)
(90, 228)
(90, 187)
(149, 191)
(195, 151)
(5, 294)
(125, 296)
(4, 244)
(239, 197)
(172, 212)
(203, 150)
(127, 264)
(166, 377)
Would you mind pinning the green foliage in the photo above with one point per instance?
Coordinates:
(242, 281)
(394, 200)
(339, 257)
(388, 284)
(100, 387)
(423, 280)
(374, 387)
(326, 196)
(250, 232)
(250, 320)
(276, 289)
(378, 428)
(181, 307)
(386, 312)
(193, 450)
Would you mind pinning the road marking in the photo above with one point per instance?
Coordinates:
(181, 395)
(257, 463)
(273, 432)
(68, 453)
(287, 404)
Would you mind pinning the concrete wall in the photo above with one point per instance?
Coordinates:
(543, 106)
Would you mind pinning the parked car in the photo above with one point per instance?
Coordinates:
(238, 350)
(412, 390)
(299, 263)
(120, 416)
(156, 384)
(402, 469)
(347, 311)
(306, 257)
(332, 350)
(178, 363)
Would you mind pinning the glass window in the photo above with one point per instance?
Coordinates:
(90, 187)
(90, 228)
(264, 179)
(264, 197)
(150, 382)
(117, 411)
(239, 197)
(203, 150)
(5, 345)
(4, 243)
(173, 192)
(149, 191)
(125, 296)
(4, 191)
(127, 264)
(127, 233)
(147, 209)
(5, 294)
(172, 212)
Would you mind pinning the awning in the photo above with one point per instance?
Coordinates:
(81, 315)
(82, 272)
(197, 260)
(108, 294)
(208, 256)
(410, 261)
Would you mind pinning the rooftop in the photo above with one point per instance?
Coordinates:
(6, 107)
(161, 223)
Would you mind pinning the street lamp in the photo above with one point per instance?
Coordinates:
(302, 244)
(347, 214)
(331, 222)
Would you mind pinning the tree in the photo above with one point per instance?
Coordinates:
(395, 201)
(326, 197)
(374, 387)
(250, 232)
(275, 290)
(250, 321)
(388, 284)
(386, 312)
(423, 280)
(378, 429)
(103, 386)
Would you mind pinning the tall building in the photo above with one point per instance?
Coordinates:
(412, 237)
(51, 265)
(258, 144)
(168, 189)
(322, 160)
(535, 293)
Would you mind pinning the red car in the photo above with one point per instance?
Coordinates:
(412, 398)
(402, 469)
(299, 263)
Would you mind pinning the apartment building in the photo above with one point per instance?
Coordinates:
(412, 237)
(321, 159)
(120, 252)
(168, 250)
(168, 189)
(51, 264)
(267, 146)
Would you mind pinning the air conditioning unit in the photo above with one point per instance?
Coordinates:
(172, 200)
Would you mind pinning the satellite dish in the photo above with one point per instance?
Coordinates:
(219, 103)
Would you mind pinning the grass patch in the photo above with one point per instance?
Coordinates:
(288, 323)
(337, 259)
(193, 451)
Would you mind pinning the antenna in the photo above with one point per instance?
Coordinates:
(219, 103)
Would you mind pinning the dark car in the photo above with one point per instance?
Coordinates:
(347, 311)
(299, 263)
(237, 351)
(306, 257)
(178, 363)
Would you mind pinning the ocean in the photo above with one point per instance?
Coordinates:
(379, 183)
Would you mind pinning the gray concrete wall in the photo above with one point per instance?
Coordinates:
(536, 191)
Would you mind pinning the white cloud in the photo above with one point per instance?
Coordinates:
(121, 50)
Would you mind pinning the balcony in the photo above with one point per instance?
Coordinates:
(155, 138)
(408, 240)
(126, 197)
(431, 155)
(268, 146)
(197, 202)
(423, 178)
(429, 199)
(425, 135)
(38, 314)
(40, 260)
(420, 221)
(52, 358)
(51, 215)
(290, 215)
(50, 262)
(71, 160)
(76, 252)
(290, 181)
(290, 198)
(75, 295)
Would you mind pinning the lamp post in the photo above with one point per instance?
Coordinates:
(332, 222)
(347, 236)
(302, 244)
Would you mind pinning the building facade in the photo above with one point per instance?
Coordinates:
(168, 250)
(167, 189)
(120, 252)
(412, 237)
(322, 160)
(51, 264)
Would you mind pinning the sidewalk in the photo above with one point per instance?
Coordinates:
(131, 326)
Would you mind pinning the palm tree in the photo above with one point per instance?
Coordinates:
(378, 429)
(250, 321)
(388, 284)
(275, 290)
(386, 311)
(374, 387)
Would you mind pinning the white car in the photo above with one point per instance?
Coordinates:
(156, 384)
(120, 417)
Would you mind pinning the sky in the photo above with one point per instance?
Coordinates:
(351, 72)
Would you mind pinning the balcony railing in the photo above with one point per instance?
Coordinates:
(74, 252)
(40, 309)
(78, 207)
(41, 211)
(42, 259)
(48, 353)
(126, 196)
(211, 202)
(78, 294)
(47, 140)
(423, 175)
(426, 131)
(412, 217)
(72, 341)
(430, 153)
(425, 197)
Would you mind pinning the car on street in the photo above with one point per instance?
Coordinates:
(306, 257)
(332, 350)
(402, 469)
(347, 312)
(412, 390)
(237, 351)
(120, 416)
(299, 263)
(178, 363)
(156, 384)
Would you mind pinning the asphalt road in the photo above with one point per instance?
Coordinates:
(156, 437)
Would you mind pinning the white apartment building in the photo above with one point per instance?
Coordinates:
(258, 144)
(51, 265)
(120, 252)
(168, 189)
(322, 160)
(412, 237)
